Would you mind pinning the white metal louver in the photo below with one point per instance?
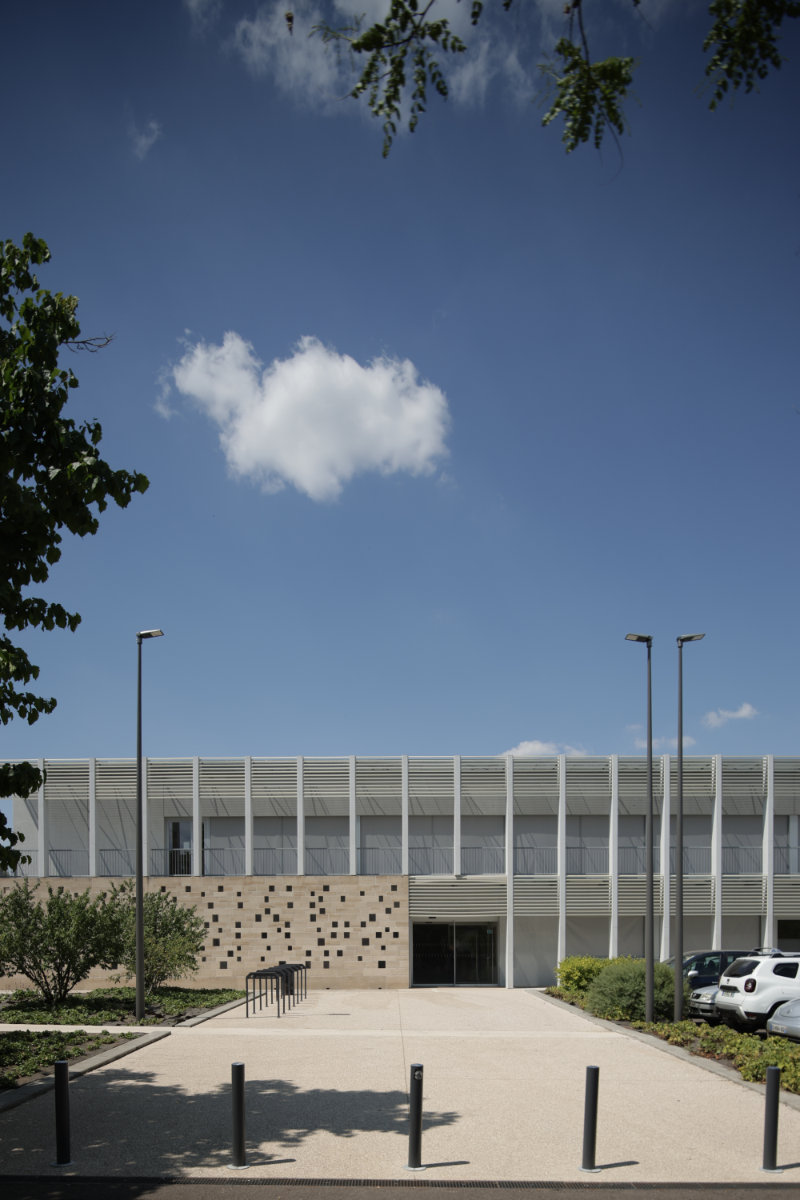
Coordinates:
(456, 898)
(535, 896)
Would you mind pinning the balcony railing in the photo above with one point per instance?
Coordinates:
(116, 862)
(275, 860)
(587, 860)
(430, 860)
(67, 863)
(227, 860)
(170, 862)
(786, 860)
(327, 860)
(483, 860)
(535, 860)
(380, 860)
(696, 860)
(24, 870)
(741, 860)
(633, 860)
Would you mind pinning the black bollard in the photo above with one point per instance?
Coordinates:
(773, 1092)
(415, 1119)
(239, 1161)
(61, 1093)
(590, 1119)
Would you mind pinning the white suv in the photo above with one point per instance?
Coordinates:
(751, 988)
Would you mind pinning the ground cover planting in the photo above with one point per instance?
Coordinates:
(29, 1054)
(114, 1006)
(608, 988)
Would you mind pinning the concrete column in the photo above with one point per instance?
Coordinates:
(92, 817)
(145, 822)
(613, 856)
(404, 815)
(509, 848)
(353, 819)
(198, 865)
(664, 855)
(768, 854)
(561, 855)
(457, 814)
(248, 815)
(43, 838)
(716, 855)
(301, 820)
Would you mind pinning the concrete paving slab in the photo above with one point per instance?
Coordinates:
(327, 1099)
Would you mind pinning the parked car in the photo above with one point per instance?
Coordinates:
(752, 988)
(703, 967)
(702, 1003)
(785, 1021)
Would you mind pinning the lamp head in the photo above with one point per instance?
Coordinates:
(639, 637)
(150, 633)
(690, 637)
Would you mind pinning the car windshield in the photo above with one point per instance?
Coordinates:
(742, 966)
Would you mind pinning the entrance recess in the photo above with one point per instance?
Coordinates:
(449, 955)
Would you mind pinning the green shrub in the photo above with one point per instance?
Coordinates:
(173, 936)
(576, 972)
(56, 942)
(618, 991)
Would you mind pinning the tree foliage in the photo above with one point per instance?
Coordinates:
(173, 936)
(56, 942)
(52, 478)
(402, 58)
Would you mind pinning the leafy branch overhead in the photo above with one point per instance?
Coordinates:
(404, 54)
(52, 479)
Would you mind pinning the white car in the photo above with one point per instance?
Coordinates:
(752, 988)
(785, 1021)
(702, 1002)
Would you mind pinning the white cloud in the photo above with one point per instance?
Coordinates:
(720, 716)
(537, 749)
(301, 65)
(298, 64)
(144, 139)
(316, 419)
(203, 12)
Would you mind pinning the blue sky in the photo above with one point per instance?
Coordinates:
(427, 436)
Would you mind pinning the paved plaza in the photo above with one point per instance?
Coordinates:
(327, 1100)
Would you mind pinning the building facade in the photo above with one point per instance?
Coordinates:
(390, 872)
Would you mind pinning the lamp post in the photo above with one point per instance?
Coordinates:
(140, 637)
(678, 939)
(649, 930)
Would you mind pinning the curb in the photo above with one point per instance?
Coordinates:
(28, 1091)
(212, 1012)
(705, 1064)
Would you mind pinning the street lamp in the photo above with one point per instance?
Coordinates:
(140, 637)
(649, 930)
(678, 940)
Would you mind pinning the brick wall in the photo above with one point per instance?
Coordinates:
(352, 930)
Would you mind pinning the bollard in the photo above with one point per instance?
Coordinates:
(61, 1093)
(773, 1092)
(239, 1162)
(590, 1120)
(415, 1119)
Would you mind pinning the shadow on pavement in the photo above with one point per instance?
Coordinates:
(124, 1122)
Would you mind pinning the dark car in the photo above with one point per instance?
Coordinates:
(705, 966)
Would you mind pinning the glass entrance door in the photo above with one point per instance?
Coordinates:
(449, 955)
